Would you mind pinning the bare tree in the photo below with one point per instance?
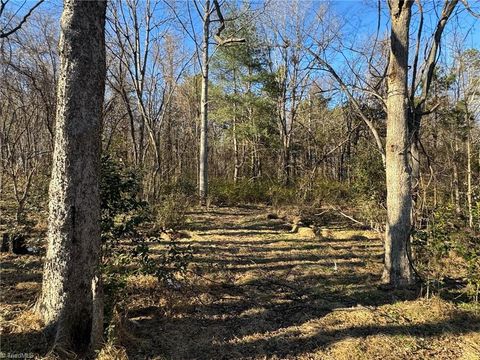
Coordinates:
(398, 271)
(146, 68)
(468, 65)
(28, 64)
(206, 13)
(288, 30)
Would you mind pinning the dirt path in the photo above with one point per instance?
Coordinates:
(258, 291)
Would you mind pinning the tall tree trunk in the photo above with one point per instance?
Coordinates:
(415, 162)
(235, 149)
(71, 301)
(469, 173)
(456, 185)
(203, 165)
(398, 270)
(286, 161)
(234, 129)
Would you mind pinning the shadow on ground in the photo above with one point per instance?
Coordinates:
(260, 292)
(256, 291)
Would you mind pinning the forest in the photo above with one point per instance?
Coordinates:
(226, 179)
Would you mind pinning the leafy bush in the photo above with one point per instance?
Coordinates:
(279, 195)
(183, 187)
(305, 191)
(243, 192)
(329, 191)
(468, 246)
(173, 261)
(368, 176)
(122, 211)
(170, 211)
(127, 251)
(443, 238)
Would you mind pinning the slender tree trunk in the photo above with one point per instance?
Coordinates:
(71, 301)
(415, 162)
(398, 270)
(235, 140)
(235, 150)
(203, 165)
(469, 174)
(456, 187)
(286, 161)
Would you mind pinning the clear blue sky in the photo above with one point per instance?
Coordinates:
(360, 18)
(362, 15)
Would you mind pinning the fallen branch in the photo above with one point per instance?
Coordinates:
(349, 217)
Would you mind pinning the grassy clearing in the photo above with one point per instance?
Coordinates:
(257, 291)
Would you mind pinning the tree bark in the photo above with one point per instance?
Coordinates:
(456, 185)
(398, 271)
(469, 173)
(286, 166)
(71, 301)
(236, 160)
(203, 165)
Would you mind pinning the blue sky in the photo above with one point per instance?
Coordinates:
(361, 15)
(360, 18)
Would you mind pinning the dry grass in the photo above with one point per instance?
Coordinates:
(111, 352)
(257, 291)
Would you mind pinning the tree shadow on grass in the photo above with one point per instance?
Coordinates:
(208, 225)
(251, 326)
(266, 289)
(286, 345)
(258, 301)
(24, 345)
(20, 281)
(261, 320)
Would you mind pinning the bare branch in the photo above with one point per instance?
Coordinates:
(354, 101)
(217, 36)
(431, 61)
(469, 9)
(5, 34)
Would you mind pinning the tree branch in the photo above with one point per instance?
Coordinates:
(355, 103)
(217, 36)
(5, 34)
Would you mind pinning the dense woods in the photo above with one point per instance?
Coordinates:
(306, 158)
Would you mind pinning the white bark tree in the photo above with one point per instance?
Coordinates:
(203, 161)
(207, 18)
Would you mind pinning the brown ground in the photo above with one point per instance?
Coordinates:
(257, 291)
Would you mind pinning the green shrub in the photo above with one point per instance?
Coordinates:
(243, 192)
(182, 186)
(123, 214)
(330, 192)
(172, 262)
(279, 195)
(122, 209)
(170, 211)
(312, 192)
(368, 175)
(443, 237)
